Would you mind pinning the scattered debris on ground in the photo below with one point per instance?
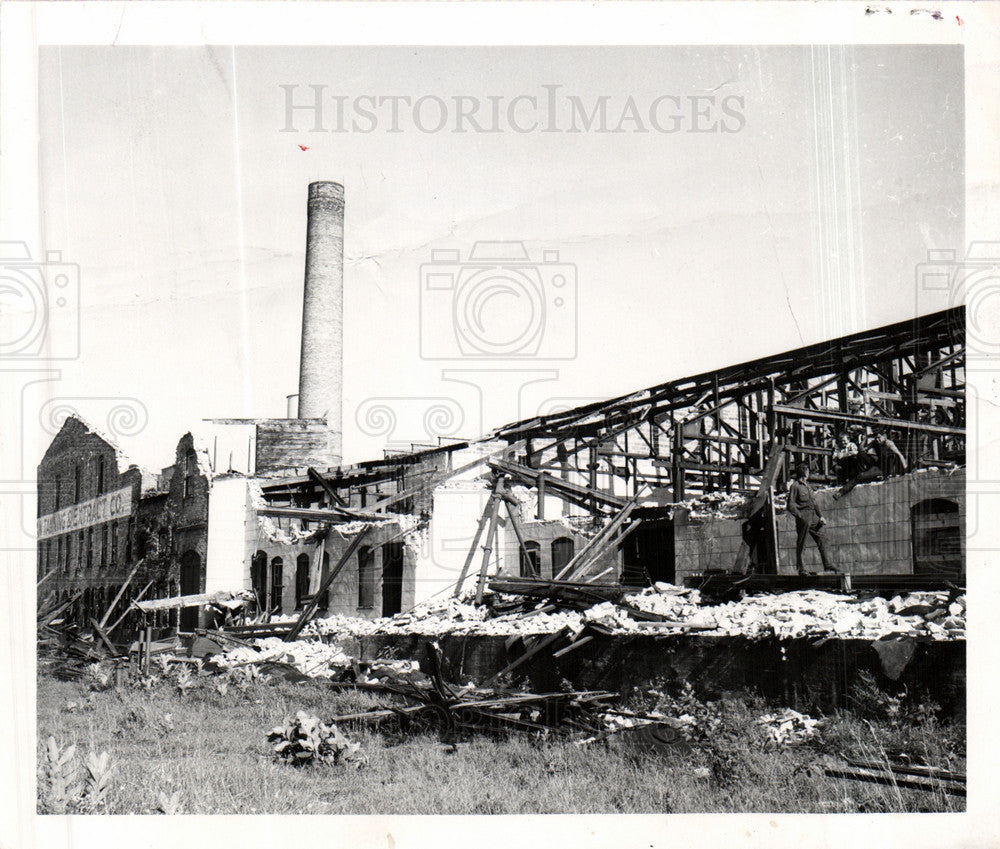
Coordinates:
(789, 727)
(544, 607)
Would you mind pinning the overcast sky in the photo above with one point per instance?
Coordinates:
(732, 202)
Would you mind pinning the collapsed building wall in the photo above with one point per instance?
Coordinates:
(108, 529)
(284, 564)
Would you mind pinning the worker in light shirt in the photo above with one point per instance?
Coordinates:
(808, 521)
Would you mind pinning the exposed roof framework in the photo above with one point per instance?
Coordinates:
(714, 432)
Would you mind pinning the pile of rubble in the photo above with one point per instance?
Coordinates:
(310, 657)
(809, 613)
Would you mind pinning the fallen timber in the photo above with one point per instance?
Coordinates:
(453, 711)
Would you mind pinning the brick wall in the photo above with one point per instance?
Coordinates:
(869, 531)
(545, 533)
(344, 593)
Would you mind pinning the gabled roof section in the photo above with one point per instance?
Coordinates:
(75, 427)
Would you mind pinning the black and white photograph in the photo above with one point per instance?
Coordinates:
(510, 417)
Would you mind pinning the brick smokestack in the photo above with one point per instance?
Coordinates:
(321, 362)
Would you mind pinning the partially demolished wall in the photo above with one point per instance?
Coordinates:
(869, 531)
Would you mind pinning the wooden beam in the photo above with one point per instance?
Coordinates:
(491, 535)
(522, 546)
(131, 607)
(99, 630)
(775, 460)
(870, 421)
(310, 609)
(328, 487)
(46, 576)
(121, 591)
(535, 649)
(557, 485)
(444, 476)
(483, 519)
(599, 537)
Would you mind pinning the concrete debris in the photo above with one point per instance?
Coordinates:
(789, 728)
(312, 658)
(810, 613)
(316, 659)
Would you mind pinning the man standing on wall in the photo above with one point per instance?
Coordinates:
(808, 521)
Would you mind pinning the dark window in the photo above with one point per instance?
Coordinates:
(366, 577)
(104, 545)
(100, 475)
(562, 553)
(258, 578)
(60, 554)
(392, 578)
(324, 597)
(277, 567)
(937, 541)
(531, 560)
(81, 551)
(113, 544)
(190, 585)
(58, 490)
(129, 529)
(90, 547)
(76, 483)
(190, 472)
(301, 580)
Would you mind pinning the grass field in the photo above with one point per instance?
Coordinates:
(204, 751)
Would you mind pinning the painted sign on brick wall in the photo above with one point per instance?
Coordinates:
(103, 508)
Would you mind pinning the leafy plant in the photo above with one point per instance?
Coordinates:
(66, 788)
(184, 680)
(171, 804)
(97, 782)
(306, 739)
(99, 678)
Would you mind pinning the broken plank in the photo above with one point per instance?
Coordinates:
(121, 592)
(310, 609)
(573, 646)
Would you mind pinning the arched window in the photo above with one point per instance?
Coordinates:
(100, 474)
(366, 577)
(301, 580)
(531, 560)
(562, 553)
(937, 540)
(258, 578)
(277, 585)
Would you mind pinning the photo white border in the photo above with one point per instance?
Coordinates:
(26, 26)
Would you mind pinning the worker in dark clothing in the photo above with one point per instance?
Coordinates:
(881, 460)
(808, 521)
(888, 457)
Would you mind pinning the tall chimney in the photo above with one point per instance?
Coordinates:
(321, 361)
